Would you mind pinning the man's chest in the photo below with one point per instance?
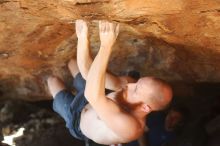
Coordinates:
(94, 128)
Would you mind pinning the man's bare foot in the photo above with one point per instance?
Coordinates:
(72, 65)
(81, 30)
(108, 33)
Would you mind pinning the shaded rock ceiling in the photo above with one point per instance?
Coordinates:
(177, 40)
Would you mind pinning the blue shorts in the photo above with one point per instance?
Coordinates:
(69, 107)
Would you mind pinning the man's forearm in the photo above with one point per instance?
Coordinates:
(84, 59)
(95, 86)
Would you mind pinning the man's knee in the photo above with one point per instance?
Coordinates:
(55, 85)
(73, 67)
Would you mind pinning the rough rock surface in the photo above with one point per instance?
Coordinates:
(177, 40)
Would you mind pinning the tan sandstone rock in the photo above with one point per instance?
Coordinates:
(177, 40)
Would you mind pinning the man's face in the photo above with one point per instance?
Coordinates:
(131, 91)
(135, 92)
(136, 98)
(173, 118)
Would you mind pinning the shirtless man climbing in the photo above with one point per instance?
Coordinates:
(118, 117)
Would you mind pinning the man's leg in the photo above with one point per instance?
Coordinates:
(55, 85)
(62, 98)
(73, 67)
(66, 104)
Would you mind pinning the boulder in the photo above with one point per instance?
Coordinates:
(175, 40)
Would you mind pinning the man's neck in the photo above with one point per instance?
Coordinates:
(129, 107)
(132, 109)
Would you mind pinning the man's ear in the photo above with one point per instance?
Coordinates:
(145, 108)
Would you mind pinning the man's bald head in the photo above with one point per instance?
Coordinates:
(155, 92)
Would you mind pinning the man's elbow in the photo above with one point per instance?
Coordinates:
(84, 75)
(92, 97)
(89, 95)
(83, 72)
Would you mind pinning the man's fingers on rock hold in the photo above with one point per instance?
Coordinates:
(117, 29)
(101, 27)
(105, 26)
(111, 25)
(78, 25)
